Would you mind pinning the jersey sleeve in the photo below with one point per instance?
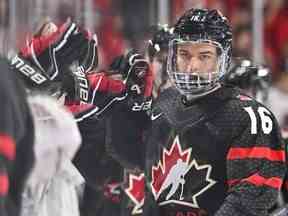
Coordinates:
(255, 165)
(13, 118)
(93, 95)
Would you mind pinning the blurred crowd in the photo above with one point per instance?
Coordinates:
(126, 24)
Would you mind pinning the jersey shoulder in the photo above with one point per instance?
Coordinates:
(245, 109)
(240, 102)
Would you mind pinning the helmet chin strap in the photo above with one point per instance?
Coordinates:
(193, 96)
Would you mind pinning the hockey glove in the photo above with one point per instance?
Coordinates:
(88, 59)
(93, 88)
(44, 58)
(138, 79)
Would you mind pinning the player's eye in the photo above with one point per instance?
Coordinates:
(205, 57)
(184, 55)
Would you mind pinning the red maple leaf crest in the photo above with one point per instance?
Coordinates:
(169, 159)
(136, 192)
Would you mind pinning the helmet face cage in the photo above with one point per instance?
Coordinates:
(202, 79)
(200, 26)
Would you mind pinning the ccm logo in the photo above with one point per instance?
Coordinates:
(27, 70)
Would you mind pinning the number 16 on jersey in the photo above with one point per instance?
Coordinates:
(265, 118)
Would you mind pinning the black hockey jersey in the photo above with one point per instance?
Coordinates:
(16, 140)
(219, 155)
(125, 134)
(102, 173)
(103, 134)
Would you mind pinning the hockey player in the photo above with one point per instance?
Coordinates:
(90, 96)
(254, 80)
(133, 181)
(157, 54)
(104, 178)
(229, 143)
(41, 65)
(16, 141)
(118, 136)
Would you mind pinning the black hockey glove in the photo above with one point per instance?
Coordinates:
(88, 59)
(94, 88)
(43, 60)
(138, 79)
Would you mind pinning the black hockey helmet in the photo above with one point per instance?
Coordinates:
(255, 80)
(161, 34)
(200, 26)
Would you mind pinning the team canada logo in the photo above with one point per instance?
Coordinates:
(172, 174)
(136, 192)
